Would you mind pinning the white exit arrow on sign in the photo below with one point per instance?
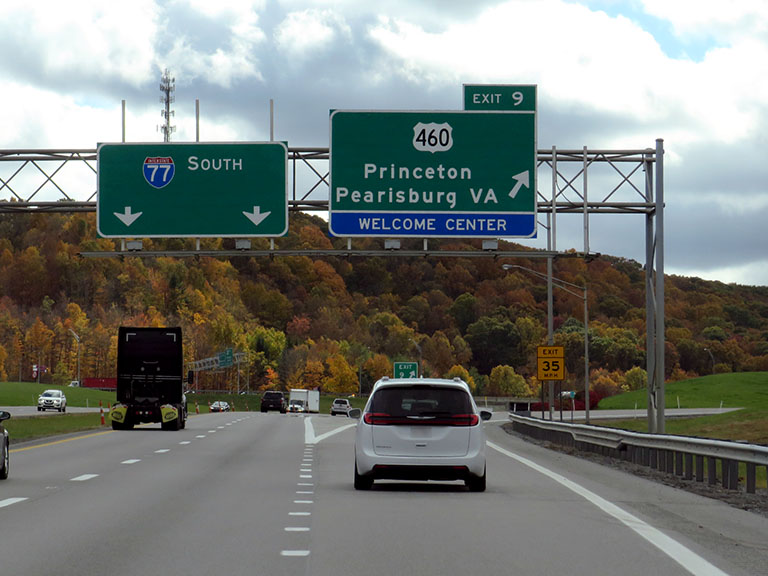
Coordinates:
(127, 217)
(523, 179)
(256, 216)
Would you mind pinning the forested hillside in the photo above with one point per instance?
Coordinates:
(324, 322)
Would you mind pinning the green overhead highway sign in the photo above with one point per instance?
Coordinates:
(192, 190)
(226, 358)
(433, 174)
(406, 370)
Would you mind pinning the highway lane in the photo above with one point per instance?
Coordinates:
(241, 493)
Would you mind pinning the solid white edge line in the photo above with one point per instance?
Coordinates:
(309, 431)
(688, 559)
(11, 501)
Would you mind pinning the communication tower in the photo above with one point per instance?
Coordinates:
(167, 87)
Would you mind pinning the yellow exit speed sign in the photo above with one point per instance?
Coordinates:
(550, 363)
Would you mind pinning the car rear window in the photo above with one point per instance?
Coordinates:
(402, 401)
(273, 395)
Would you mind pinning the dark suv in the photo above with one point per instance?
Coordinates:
(273, 400)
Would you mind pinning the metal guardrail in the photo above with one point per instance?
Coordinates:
(683, 456)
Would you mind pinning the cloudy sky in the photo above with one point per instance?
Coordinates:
(610, 74)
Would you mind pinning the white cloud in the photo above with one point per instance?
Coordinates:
(235, 57)
(42, 117)
(303, 33)
(238, 8)
(723, 22)
(87, 38)
(589, 61)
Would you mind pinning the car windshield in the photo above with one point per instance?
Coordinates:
(420, 401)
(51, 393)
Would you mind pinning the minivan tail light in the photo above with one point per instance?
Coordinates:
(380, 419)
(465, 419)
(384, 419)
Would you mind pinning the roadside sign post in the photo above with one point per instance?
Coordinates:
(406, 370)
(433, 174)
(192, 190)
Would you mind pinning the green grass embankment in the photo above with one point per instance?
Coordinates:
(745, 390)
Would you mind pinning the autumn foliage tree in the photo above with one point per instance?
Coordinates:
(330, 321)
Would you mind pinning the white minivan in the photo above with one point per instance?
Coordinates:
(420, 429)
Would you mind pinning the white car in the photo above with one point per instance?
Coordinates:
(296, 405)
(340, 406)
(420, 429)
(52, 400)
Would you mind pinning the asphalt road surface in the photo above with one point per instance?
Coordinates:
(271, 494)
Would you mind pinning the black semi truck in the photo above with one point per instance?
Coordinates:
(150, 380)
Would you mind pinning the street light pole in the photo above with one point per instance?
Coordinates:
(712, 357)
(77, 339)
(563, 285)
(418, 347)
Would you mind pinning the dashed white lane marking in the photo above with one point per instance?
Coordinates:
(211, 431)
(299, 513)
(83, 478)
(307, 470)
(185, 442)
(305, 476)
(131, 461)
(200, 436)
(296, 529)
(305, 491)
(162, 451)
(305, 484)
(295, 553)
(10, 501)
(688, 559)
(303, 502)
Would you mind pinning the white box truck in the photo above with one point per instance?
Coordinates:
(310, 398)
